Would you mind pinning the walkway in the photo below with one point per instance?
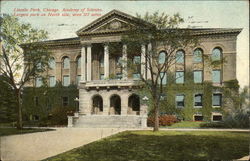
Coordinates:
(41, 145)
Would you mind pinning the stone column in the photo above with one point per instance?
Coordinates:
(124, 63)
(106, 61)
(83, 64)
(124, 104)
(89, 63)
(72, 72)
(149, 55)
(143, 61)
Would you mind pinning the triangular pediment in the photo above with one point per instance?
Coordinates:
(114, 21)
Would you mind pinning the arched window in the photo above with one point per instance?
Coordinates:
(180, 56)
(52, 63)
(198, 53)
(66, 64)
(78, 60)
(216, 54)
(162, 57)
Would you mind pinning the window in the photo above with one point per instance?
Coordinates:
(52, 81)
(78, 78)
(217, 97)
(179, 100)
(52, 63)
(136, 76)
(65, 80)
(119, 76)
(101, 76)
(198, 76)
(66, 64)
(119, 61)
(65, 101)
(39, 82)
(198, 100)
(179, 77)
(78, 62)
(180, 56)
(137, 60)
(197, 56)
(164, 80)
(101, 61)
(217, 117)
(162, 57)
(216, 54)
(198, 118)
(216, 76)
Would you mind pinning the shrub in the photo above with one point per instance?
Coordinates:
(59, 116)
(164, 120)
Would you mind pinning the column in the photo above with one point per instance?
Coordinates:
(83, 64)
(106, 61)
(143, 61)
(149, 54)
(89, 63)
(124, 63)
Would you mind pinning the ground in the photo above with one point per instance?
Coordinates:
(163, 145)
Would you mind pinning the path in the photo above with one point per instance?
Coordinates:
(41, 145)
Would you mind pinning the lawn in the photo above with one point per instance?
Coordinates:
(162, 145)
(187, 124)
(12, 131)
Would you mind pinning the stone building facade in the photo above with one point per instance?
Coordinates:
(107, 87)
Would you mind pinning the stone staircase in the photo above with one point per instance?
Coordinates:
(110, 121)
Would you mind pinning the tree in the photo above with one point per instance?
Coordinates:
(22, 57)
(164, 31)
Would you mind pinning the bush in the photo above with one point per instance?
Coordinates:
(164, 120)
(59, 116)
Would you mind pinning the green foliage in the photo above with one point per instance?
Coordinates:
(164, 120)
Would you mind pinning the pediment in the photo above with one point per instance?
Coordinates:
(114, 21)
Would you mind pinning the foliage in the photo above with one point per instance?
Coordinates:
(164, 120)
(18, 66)
(188, 124)
(163, 145)
(162, 30)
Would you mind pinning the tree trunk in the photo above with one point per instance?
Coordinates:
(156, 117)
(19, 107)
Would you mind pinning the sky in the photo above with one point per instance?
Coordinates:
(205, 14)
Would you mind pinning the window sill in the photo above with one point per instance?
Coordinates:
(180, 107)
(197, 106)
(216, 106)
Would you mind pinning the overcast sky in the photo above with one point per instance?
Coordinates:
(206, 14)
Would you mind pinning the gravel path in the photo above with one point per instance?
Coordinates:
(41, 145)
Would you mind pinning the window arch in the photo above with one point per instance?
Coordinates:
(52, 63)
(216, 54)
(198, 55)
(78, 61)
(162, 57)
(65, 63)
(180, 56)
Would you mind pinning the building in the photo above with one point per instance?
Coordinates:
(107, 89)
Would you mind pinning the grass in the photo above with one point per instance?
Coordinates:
(12, 131)
(162, 145)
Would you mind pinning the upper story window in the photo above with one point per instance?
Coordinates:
(137, 60)
(198, 100)
(162, 57)
(217, 99)
(180, 100)
(78, 60)
(52, 81)
(198, 76)
(180, 56)
(216, 74)
(66, 80)
(78, 78)
(179, 77)
(216, 54)
(66, 63)
(39, 82)
(197, 55)
(164, 78)
(52, 63)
